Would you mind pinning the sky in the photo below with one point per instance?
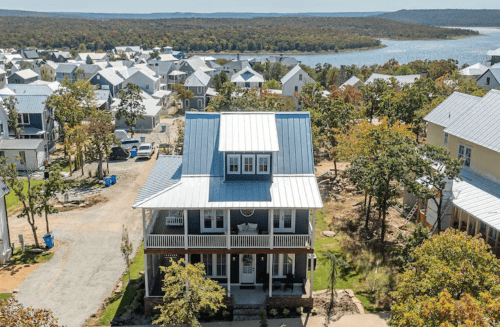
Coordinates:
(207, 6)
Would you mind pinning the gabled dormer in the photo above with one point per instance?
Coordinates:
(248, 142)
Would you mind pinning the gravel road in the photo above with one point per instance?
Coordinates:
(88, 261)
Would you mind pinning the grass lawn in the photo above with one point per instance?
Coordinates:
(12, 201)
(353, 280)
(119, 302)
(24, 258)
(5, 296)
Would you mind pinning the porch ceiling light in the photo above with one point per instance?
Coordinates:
(247, 212)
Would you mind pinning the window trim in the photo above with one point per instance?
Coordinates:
(248, 156)
(229, 157)
(200, 103)
(270, 264)
(215, 263)
(268, 164)
(464, 154)
(282, 219)
(214, 228)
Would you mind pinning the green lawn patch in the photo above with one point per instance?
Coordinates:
(24, 258)
(119, 302)
(356, 282)
(5, 296)
(12, 201)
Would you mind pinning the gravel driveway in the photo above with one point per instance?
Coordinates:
(88, 261)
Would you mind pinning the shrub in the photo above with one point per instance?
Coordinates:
(274, 312)
(286, 312)
(299, 310)
(314, 311)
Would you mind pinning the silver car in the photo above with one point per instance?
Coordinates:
(130, 144)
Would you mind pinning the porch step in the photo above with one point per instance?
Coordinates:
(247, 312)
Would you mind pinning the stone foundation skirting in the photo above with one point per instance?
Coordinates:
(288, 301)
(151, 302)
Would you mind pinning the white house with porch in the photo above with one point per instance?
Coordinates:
(241, 199)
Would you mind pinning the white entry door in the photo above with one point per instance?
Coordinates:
(247, 268)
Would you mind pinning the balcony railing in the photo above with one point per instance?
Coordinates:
(220, 241)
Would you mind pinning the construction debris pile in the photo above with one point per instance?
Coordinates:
(331, 186)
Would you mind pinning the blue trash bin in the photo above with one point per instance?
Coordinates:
(107, 181)
(49, 240)
(143, 139)
(164, 128)
(113, 179)
(133, 153)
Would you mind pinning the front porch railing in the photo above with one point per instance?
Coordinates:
(220, 241)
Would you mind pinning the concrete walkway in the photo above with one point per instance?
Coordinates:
(88, 261)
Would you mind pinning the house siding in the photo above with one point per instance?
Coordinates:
(435, 134)
(494, 83)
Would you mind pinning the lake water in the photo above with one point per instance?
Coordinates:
(471, 50)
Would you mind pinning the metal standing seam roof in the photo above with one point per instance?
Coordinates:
(451, 108)
(151, 106)
(248, 75)
(402, 79)
(198, 78)
(201, 154)
(479, 124)
(352, 81)
(20, 144)
(30, 89)
(26, 73)
(197, 192)
(248, 132)
(479, 197)
(476, 69)
(111, 76)
(66, 68)
(290, 74)
(30, 104)
(165, 173)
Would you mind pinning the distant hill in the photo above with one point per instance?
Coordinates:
(447, 17)
(107, 16)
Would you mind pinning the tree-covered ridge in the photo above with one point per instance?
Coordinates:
(447, 17)
(216, 35)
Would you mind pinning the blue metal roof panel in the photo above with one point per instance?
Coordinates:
(166, 173)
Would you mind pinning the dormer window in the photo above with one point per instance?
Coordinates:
(233, 164)
(248, 164)
(263, 164)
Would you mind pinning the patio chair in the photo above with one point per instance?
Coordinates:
(289, 282)
(265, 283)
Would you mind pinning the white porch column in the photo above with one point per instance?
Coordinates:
(228, 236)
(185, 230)
(146, 281)
(186, 258)
(313, 228)
(468, 222)
(312, 276)
(145, 237)
(271, 230)
(228, 272)
(270, 275)
(478, 224)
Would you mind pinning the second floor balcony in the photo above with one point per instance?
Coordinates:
(229, 229)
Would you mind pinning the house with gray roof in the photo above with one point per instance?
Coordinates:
(35, 118)
(189, 66)
(242, 200)
(48, 71)
(162, 69)
(89, 70)
(470, 204)
(108, 79)
(402, 79)
(490, 79)
(61, 56)
(30, 54)
(145, 79)
(25, 76)
(197, 83)
(294, 81)
(247, 78)
(233, 66)
(355, 82)
(32, 153)
(92, 57)
(66, 71)
(151, 121)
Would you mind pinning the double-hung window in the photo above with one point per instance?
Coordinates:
(263, 164)
(465, 152)
(284, 220)
(233, 163)
(212, 221)
(215, 265)
(248, 164)
(24, 119)
(445, 142)
(282, 265)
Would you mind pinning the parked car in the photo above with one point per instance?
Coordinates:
(119, 153)
(130, 144)
(121, 134)
(146, 150)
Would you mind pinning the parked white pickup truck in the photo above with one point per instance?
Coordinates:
(146, 150)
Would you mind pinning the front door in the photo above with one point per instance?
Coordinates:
(247, 264)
